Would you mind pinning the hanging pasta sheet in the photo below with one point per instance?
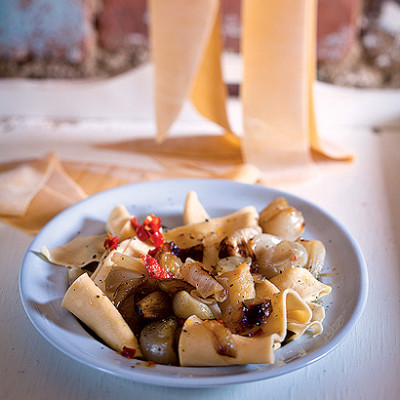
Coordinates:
(278, 50)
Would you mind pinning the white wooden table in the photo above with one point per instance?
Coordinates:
(364, 196)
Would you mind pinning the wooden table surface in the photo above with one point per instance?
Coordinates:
(37, 117)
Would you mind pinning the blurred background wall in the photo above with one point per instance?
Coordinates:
(358, 41)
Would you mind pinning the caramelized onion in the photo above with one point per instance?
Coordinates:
(169, 261)
(248, 316)
(154, 305)
(140, 299)
(238, 244)
(316, 256)
(273, 254)
(194, 252)
(193, 272)
(128, 311)
(125, 298)
(157, 341)
(126, 289)
(117, 276)
(282, 220)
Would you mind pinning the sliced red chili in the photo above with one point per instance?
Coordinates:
(128, 352)
(150, 229)
(111, 243)
(154, 269)
(157, 238)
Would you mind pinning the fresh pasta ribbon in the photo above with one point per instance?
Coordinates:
(275, 84)
(278, 49)
(209, 92)
(33, 192)
(303, 282)
(78, 252)
(279, 56)
(329, 150)
(197, 347)
(178, 54)
(88, 303)
(119, 223)
(194, 234)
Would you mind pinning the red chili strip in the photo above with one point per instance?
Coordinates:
(111, 243)
(154, 269)
(150, 229)
(128, 352)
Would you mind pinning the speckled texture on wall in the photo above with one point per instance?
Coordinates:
(87, 38)
(47, 29)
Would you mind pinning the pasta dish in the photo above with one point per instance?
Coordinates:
(211, 292)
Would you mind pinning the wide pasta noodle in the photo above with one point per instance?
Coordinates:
(197, 347)
(88, 303)
(78, 252)
(286, 304)
(193, 234)
(240, 284)
(303, 282)
(299, 329)
(119, 223)
(194, 211)
(318, 311)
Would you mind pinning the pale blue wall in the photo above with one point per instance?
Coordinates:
(43, 28)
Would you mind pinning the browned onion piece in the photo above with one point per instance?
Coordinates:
(248, 316)
(282, 220)
(125, 289)
(222, 336)
(155, 305)
(157, 341)
(126, 296)
(135, 300)
(194, 252)
(169, 261)
(127, 309)
(173, 286)
(238, 244)
(117, 276)
(193, 272)
(144, 285)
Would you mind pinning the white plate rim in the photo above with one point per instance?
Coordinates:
(146, 375)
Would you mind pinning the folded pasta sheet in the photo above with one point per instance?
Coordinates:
(201, 344)
(198, 347)
(119, 223)
(33, 192)
(78, 252)
(275, 90)
(87, 302)
(194, 234)
(19, 186)
(194, 212)
(301, 280)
